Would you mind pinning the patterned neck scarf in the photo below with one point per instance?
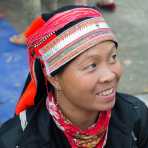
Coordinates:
(93, 137)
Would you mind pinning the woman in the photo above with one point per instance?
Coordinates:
(70, 98)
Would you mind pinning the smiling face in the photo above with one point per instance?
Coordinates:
(89, 82)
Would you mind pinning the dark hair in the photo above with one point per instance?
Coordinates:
(41, 82)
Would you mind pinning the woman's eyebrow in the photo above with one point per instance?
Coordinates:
(95, 56)
(112, 49)
(89, 58)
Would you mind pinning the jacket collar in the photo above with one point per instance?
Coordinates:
(42, 130)
(49, 132)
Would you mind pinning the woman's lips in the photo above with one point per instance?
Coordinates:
(107, 94)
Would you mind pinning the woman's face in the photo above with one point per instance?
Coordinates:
(90, 81)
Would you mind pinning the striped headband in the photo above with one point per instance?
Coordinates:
(55, 48)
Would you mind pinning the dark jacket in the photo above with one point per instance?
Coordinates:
(128, 128)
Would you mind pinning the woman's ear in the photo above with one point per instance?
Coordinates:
(54, 81)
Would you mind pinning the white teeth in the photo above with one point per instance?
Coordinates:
(106, 92)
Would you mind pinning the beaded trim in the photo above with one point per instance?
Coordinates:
(35, 45)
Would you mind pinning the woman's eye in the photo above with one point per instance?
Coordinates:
(113, 58)
(91, 66)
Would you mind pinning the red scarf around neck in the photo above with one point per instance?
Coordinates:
(93, 137)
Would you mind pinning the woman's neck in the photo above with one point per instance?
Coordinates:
(78, 116)
(81, 119)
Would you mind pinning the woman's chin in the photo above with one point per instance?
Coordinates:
(107, 106)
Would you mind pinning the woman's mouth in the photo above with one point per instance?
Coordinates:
(107, 94)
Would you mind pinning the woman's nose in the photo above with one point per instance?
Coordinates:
(106, 75)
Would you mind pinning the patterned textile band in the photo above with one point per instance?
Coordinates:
(74, 41)
(59, 20)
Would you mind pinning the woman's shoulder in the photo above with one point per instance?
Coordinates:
(10, 132)
(15, 126)
(131, 107)
(134, 113)
(14, 131)
(9, 125)
(130, 101)
(131, 110)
